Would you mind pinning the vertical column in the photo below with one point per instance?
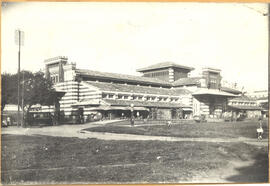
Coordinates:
(47, 72)
(61, 72)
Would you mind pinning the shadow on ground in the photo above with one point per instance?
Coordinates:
(255, 173)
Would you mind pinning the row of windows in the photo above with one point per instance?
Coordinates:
(157, 74)
(140, 98)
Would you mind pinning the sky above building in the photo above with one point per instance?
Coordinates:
(122, 37)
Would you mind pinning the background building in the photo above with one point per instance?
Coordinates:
(261, 97)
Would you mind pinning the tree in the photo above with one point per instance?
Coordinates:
(8, 90)
(36, 90)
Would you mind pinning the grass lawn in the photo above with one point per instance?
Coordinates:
(212, 130)
(44, 159)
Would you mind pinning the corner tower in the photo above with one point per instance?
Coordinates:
(59, 70)
(212, 77)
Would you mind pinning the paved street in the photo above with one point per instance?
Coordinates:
(78, 131)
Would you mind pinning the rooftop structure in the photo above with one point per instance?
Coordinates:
(167, 71)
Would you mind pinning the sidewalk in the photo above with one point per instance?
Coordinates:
(77, 131)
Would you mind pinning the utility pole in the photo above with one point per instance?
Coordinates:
(19, 69)
(23, 102)
(19, 41)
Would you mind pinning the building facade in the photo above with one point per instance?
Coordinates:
(164, 91)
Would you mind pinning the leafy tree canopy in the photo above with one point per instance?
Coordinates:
(35, 87)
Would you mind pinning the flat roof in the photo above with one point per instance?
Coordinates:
(205, 91)
(164, 65)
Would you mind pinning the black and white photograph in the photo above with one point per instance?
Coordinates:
(134, 93)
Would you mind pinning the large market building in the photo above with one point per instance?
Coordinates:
(164, 91)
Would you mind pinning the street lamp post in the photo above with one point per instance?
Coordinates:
(132, 114)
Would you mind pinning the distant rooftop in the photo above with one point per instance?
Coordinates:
(164, 65)
(211, 69)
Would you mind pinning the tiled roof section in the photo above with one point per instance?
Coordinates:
(142, 103)
(240, 107)
(115, 87)
(164, 65)
(122, 77)
(187, 81)
(230, 90)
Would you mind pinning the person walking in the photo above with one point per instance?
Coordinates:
(260, 129)
(8, 121)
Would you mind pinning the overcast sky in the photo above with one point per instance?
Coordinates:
(122, 37)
